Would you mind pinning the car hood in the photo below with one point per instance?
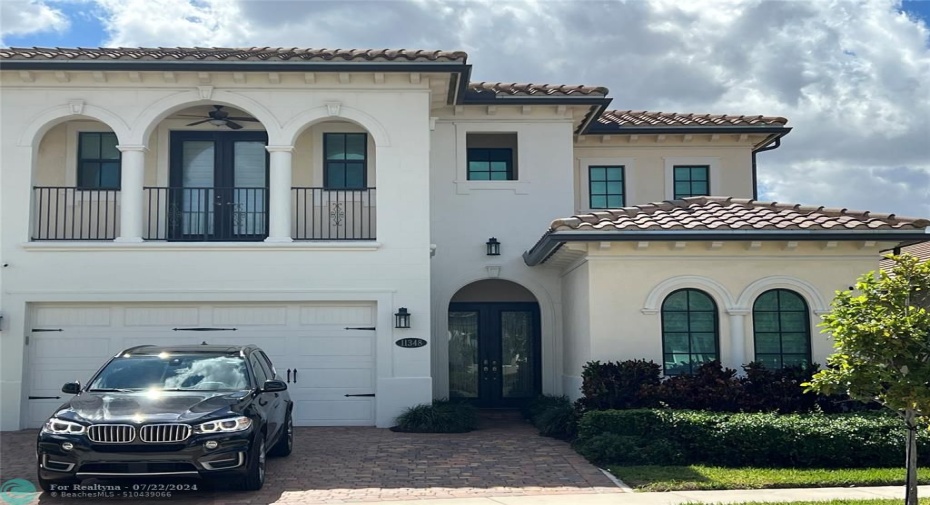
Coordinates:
(149, 406)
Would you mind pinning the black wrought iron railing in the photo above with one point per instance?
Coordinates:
(205, 214)
(333, 214)
(68, 213)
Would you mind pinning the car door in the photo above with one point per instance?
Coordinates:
(266, 401)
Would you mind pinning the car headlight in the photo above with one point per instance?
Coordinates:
(224, 425)
(61, 427)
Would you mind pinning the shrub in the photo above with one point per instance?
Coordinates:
(541, 403)
(617, 385)
(613, 449)
(553, 416)
(711, 387)
(441, 416)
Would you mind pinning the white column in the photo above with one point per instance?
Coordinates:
(132, 174)
(279, 198)
(737, 339)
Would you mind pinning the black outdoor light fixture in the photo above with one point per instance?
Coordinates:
(402, 318)
(494, 247)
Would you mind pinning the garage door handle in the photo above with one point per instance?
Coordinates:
(288, 375)
(295, 376)
(366, 394)
(45, 398)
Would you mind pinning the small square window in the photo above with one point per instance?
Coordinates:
(691, 181)
(490, 164)
(605, 187)
(345, 160)
(98, 164)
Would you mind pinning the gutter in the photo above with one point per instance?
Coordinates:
(553, 240)
(767, 145)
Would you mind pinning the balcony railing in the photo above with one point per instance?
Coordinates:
(67, 213)
(333, 214)
(203, 214)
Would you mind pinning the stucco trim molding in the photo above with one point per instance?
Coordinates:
(658, 293)
(44, 121)
(326, 112)
(810, 293)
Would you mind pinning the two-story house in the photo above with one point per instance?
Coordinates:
(388, 231)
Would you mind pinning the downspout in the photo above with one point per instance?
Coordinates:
(755, 177)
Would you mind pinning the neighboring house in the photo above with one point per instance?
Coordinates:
(920, 250)
(229, 195)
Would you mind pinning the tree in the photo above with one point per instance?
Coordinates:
(881, 329)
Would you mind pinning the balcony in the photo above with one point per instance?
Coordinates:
(203, 214)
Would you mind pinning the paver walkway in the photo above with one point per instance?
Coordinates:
(343, 465)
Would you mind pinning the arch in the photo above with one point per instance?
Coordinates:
(152, 115)
(507, 291)
(717, 291)
(296, 125)
(49, 118)
(810, 294)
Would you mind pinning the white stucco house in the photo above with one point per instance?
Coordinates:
(301, 199)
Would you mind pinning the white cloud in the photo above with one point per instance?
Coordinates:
(852, 76)
(25, 17)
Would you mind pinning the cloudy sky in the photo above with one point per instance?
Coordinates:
(852, 77)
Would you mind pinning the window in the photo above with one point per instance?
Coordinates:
(689, 331)
(345, 160)
(98, 161)
(260, 376)
(605, 184)
(490, 164)
(691, 180)
(781, 329)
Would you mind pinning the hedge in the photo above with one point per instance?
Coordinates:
(662, 437)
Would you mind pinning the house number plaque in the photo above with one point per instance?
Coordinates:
(410, 343)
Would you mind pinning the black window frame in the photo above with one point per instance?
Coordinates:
(474, 151)
(327, 183)
(607, 180)
(781, 344)
(690, 181)
(81, 181)
(716, 313)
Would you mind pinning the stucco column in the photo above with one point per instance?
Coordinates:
(279, 197)
(737, 339)
(132, 171)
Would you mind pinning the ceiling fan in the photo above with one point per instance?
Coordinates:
(219, 117)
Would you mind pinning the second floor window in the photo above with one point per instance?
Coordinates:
(490, 164)
(605, 184)
(345, 160)
(98, 161)
(691, 180)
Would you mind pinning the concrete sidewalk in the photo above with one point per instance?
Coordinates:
(680, 497)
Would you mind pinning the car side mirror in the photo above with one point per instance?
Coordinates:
(71, 388)
(273, 386)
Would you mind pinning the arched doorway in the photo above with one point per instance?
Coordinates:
(494, 344)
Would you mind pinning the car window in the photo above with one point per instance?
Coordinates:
(260, 375)
(267, 366)
(178, 372)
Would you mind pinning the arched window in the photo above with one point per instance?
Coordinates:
(689, 331)
(781, 329)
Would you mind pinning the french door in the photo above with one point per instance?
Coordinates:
(218, 186)
(494, 353)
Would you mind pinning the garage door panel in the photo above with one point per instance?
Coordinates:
(324, 314)
(334, 346)
(337, 378)
(47, 317)
(49, 383)
(161, 316)
(337, 411)
(65, 346)
(250, 316)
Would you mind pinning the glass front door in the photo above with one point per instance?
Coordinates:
(219, 186)
(494, 353)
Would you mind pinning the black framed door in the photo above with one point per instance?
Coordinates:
(494, 353)
(218, 186)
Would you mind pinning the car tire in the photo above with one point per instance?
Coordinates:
(285, 443)
(255, 468)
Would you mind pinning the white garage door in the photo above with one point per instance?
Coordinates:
(329, 364)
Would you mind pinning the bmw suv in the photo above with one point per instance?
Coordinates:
(205, 411)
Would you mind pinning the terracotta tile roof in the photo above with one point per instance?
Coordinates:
(228, 54)
(629, 118)
(517, 89)
(922, 251)
(727, 213)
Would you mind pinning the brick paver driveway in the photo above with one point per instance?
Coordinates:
(345, 465)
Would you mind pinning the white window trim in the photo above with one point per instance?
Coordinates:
(463, 186)
(74, 129)
(585, 164)
(713, 173)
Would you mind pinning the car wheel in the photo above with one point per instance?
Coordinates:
(255, 471)
(285, 443)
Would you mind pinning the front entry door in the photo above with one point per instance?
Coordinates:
(494, 353)
(219, 186)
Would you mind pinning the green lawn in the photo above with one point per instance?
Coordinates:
(922, 501)
(678, 478)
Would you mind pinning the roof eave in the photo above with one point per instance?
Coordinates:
(645, 130)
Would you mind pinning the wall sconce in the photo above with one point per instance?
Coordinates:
(402, 318)
(494, 247)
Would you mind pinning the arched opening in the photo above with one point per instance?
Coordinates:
(494, 344)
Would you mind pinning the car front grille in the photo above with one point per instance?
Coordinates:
(165, 433)
(111, 433)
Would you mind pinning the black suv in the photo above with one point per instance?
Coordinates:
(202, 410)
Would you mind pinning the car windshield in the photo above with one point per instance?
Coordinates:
(202, 371)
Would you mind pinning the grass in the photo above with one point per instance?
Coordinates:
(922, 501)
(698, 477)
